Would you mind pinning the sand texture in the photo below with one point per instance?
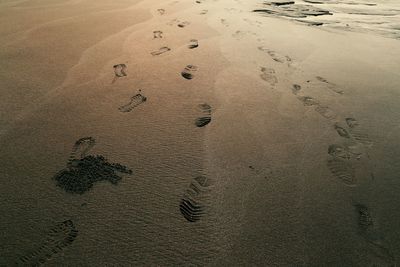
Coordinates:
(199, 133)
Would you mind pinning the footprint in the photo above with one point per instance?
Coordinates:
(187, 73)
(161, 11)
(58, 238)
(206, 115)
(296, 89)
(192, 203)
(341, 131)
(120, 71)
(365, 221)
(193, 43)
(135, 101)
(183, 24)
(369, 230)
(352, 151)
(358, 134)
(224, 22)
(267, 74)
(343, 170)
(325, 112)
(351, 122)
(331, 86)
(157, 34)
(190, 209)
(160, 51)
(339, 151)
(308, 100)
(276, 56)
(203, 12)
(238, 35)
(80, 148)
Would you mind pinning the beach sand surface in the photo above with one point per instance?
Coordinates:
(299, 157)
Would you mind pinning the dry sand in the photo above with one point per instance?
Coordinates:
(298, 150)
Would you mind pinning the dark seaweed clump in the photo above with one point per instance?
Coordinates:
(81, 174)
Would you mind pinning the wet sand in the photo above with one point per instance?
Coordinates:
(198, 133)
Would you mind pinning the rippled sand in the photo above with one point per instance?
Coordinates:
(199, 133)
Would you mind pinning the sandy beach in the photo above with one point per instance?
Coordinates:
(199, 133)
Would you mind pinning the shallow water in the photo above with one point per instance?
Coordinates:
(372, 17)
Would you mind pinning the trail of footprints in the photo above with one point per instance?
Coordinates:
(59, 237)
(192, 204)
(343, 167)
(84, 170)
(322, 110)
(268, 74)
(343, 160)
